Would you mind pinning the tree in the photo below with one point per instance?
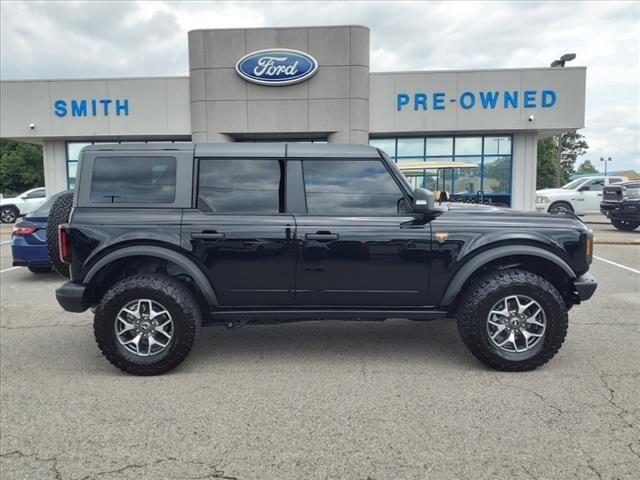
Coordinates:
(572, 146)
(586, 167)
(21, 167)
(547, 155)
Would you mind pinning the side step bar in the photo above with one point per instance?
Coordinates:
(260, 316)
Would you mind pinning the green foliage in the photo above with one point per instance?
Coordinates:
(586, 167)
(547, 156)
(573, 145)
(21, 167)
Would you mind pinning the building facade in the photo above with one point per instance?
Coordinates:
(312, 84)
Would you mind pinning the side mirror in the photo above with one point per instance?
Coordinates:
(584, 189)
(423, 200)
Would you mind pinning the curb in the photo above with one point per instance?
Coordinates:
(614, 241)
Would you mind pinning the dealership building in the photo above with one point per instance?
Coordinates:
(312, 84)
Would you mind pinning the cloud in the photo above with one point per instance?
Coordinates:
(113, 39)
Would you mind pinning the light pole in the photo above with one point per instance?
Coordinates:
(567, 57)
(605, 160)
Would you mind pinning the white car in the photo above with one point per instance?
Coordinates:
(23, 204)
(581, 196)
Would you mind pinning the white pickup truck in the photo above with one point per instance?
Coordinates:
(581, 196)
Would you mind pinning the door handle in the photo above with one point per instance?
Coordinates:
(322, 236)
(208, 236)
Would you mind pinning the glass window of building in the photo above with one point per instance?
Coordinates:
(497, 145)
(387, 145)
(468, 146)
(485, 177)
(438, 146)
(412, 148)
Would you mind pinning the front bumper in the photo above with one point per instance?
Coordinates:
(71, 297)
(585, 286)
(629, 211)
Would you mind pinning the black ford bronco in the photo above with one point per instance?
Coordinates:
(162, 239)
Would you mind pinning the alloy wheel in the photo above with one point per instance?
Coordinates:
(516, 323)
(144, 327)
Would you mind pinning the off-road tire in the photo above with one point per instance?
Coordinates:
(483, 294)
(40, 269)
(8, 213)
(560, 206)
(625, 225)
(174, 296)
(59, 214)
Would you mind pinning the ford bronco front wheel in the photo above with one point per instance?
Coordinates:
(513, 320)
(147, 324)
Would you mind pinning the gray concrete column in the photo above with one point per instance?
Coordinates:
(523, 176)
(55, 165)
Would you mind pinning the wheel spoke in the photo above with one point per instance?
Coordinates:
(127, 326)
(133, 313)
(157, 314)
(153, 341)
(500, 329)
(511, 338)
(135, 341)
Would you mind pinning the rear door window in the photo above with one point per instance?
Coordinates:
(241, 186)
(131, 179)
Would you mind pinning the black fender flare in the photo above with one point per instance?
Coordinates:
(195, 272)
(482, 259)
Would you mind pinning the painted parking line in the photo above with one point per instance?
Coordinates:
(617, 264)
(15, 268)
(4, 243)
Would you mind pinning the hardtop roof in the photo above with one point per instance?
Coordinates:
(250, 149)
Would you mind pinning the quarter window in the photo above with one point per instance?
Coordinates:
(241, 186)
(129, 179)
(339, 187)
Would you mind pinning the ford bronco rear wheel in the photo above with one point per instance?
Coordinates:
(147, 324)
(513, 320)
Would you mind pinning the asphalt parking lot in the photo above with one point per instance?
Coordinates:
(330, 400)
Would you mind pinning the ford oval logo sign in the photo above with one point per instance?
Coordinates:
(277, 66)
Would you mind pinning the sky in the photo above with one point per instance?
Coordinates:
(149, 38)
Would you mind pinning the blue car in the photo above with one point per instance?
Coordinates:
(29, 239)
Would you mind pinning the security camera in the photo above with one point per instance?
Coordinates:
(532, 118)
(32, 126)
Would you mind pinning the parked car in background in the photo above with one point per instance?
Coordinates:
(29, 239)
(25, 203)
(621, 205)
(581, 196)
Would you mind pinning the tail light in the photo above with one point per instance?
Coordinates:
(588, 248)
(63, 243)
(22, 229)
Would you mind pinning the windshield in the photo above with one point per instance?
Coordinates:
(43, 210)
(574, 184)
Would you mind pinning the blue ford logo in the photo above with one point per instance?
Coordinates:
(277, 66)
